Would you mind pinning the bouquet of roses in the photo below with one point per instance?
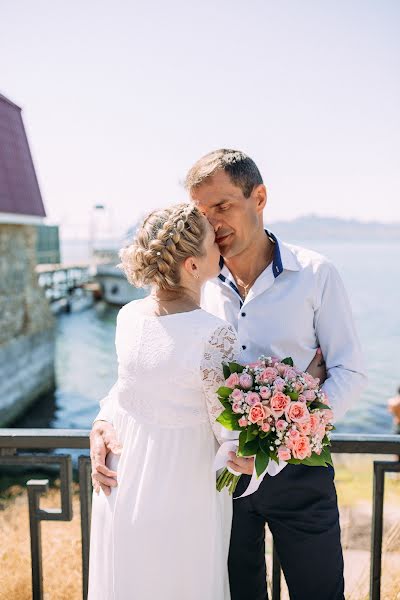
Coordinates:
(281, 413)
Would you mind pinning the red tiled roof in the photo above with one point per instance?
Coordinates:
(19, 188)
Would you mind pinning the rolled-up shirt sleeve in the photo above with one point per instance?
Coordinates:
(338, 340)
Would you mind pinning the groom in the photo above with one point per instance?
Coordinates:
(283, 300)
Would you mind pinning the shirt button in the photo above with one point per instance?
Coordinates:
(244, 347)
(243, 314)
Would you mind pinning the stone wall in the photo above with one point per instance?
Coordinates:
(26, 325)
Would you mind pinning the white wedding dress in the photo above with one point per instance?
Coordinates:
(163, 533)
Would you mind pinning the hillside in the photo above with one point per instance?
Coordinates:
(328, 228)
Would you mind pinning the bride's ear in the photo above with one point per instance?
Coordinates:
(191, 267)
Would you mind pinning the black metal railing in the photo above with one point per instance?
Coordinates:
(20, 446)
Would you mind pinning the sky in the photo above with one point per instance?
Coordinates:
(120, 98)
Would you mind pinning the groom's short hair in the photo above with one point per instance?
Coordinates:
(242, 170)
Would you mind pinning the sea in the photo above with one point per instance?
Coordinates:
(86, 363)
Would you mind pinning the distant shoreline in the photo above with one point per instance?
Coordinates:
(313, 228)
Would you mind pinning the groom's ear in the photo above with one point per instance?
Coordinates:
(260, 196)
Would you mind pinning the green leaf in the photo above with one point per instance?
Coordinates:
(326, 454)
(288, 361)
(250, 448)
(226, 370)
(229, 420)
(261, 462)
(315, 404)
(294, 461)
(252, 432)
(226, 404)
(242, 440)
(224, 392)
(236, 367)
(265, 444)
(293, 395)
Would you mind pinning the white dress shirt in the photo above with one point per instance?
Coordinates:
(297, 304)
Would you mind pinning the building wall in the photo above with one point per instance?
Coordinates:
(26, 324)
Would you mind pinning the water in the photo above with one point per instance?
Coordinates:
(86, 362)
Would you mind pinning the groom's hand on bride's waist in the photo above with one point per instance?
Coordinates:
(103, 439)
(317, 367)
(240, 464)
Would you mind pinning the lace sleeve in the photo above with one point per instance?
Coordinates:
(222, 346)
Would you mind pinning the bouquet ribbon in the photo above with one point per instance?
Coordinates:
(222, 457)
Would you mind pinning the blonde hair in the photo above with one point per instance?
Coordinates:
(166, 238)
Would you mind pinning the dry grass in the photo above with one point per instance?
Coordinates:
(61, 551)
(62, 547)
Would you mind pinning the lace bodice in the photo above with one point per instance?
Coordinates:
(170, 367)
(222, 346)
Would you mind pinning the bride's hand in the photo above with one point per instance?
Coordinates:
(317, 367)
(103, 439)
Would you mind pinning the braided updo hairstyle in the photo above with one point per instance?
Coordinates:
(166, 238)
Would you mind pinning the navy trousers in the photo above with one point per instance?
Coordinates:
(300, 506)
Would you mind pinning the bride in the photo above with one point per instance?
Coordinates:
(163, 532)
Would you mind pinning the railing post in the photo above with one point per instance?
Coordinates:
(35, 490)
(380, 468)
(85, 494)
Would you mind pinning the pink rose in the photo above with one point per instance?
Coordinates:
(268, 375)
(243, 422)
(327, 415)
(284, 453)
(279, 403)
(311, 383)
(302, 448)
(281, 368)
(246, 381)
(279, 384)
(297, 412)
(265, 426)
(266, 408)
(290, 373)
(281, 425)
(237, 395)
(293, 434)
(257, 413)
(236, 407)
(321, 431)
(304, 427)
(309, 395)
(301, 398)
(252, 398)
(315, 421)
(265, 392)
(291, 437)
(232, 380)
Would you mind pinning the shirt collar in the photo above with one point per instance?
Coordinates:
(283, 258)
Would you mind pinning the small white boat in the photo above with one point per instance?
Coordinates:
(115, 289)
